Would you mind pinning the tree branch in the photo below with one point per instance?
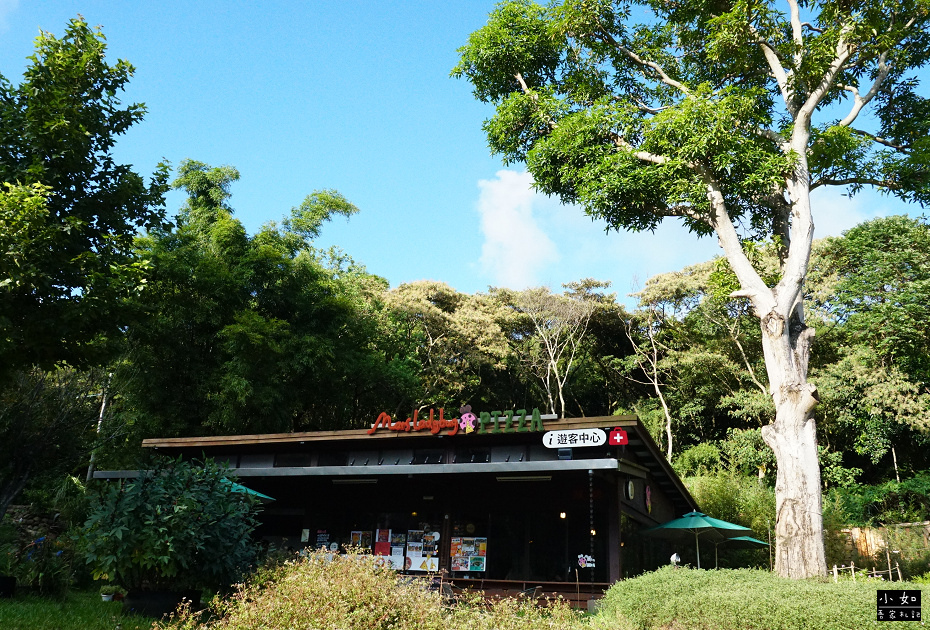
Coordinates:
(865, 181)
(645, 156)
(843, 52)
(860, 101)
(643, 63)
(769, 134)
(797, 32)
(752, 284)
(777, 70)
(880, 140)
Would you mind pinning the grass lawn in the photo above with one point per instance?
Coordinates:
(745, 599)
(78, 611)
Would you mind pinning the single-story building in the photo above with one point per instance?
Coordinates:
(510, 497)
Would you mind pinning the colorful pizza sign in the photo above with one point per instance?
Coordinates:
(518, 421)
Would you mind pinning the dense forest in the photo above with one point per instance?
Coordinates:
(122, 320)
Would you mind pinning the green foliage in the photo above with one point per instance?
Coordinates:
(456, 338)
(177, 526)
(746, 454)
(257, 333)
(630, 109)
(881, 289)
(890, 502)
(307, 219)
(47, 422)
(68, 212)
(44, 565)
(907, 548)
(9, 547)
(700, 459)
(112, 589)
(832, 470)
(356, 592)
(24, 231)
(869, 407)
(742, 599)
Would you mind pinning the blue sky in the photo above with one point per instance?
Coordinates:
(356, 96)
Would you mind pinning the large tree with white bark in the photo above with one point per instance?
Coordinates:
(726, 114)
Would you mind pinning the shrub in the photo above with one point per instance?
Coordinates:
(890, 502)
(701, 459)
(44, 565)
(356, 592)
(179, 526)
(743, 599)
(746, 453)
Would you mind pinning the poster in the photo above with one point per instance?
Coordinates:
(382, 542)
(422, 551)
(360, 539)
(395, 562)
(429, 544)
(468, 554)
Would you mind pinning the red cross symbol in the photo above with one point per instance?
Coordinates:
(618, 436)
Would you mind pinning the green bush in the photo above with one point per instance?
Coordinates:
(178, 526)
(355, 592)
(701, 459)
(44, 565)
(745, 453)
(890, 502)
(742, 599)
(906, 547)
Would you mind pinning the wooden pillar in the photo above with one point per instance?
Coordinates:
(614, 550)
(445, 544)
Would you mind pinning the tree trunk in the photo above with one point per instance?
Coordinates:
(793, 437)
(799, 521)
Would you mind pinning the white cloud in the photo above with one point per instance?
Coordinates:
(6, 8)
(526, 233)
(515, 249)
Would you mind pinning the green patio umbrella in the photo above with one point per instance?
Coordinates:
(238, 487)
(738, 542)
(700, 525)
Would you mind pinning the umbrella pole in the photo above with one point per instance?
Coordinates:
(697, 544)
(716, 558)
